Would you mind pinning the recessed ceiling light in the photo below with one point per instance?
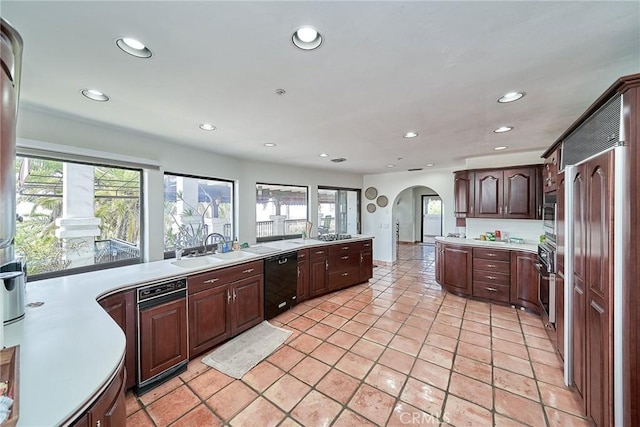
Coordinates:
(510, 97)
(503, 129)
(391, 166)
(133, 47)
(307, 38)
(410, 135)
(502, 147)
(207, 126)
(430, 165)
(324, 155)
(269, 144)
(95, 95)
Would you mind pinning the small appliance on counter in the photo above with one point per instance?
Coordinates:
(14, 278)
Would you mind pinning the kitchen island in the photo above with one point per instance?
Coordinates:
(71, 349)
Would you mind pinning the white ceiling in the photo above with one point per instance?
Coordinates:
(384, 68)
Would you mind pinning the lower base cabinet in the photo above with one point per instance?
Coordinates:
(122, 309)
(457, 270)
(302, 293)
(223, 304)
(524, 280)
(110, 409)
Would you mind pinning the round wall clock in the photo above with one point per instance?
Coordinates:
(371, 208)
(371, 193)
(382, 201)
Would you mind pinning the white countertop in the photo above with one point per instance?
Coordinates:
(70, 348)
(526, 247)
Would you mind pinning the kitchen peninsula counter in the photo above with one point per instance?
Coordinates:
(525, 247)
(71, 349)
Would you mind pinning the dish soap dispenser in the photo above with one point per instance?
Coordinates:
(236, 244)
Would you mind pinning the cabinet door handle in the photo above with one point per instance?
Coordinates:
(361, 258)
(98, 423)
(234, 295)
(366, 245)
(491, 254)
(248, 270)
(492, 289)
(345, 248)
(298, 271)
(499, 209)
(491, 266)
(344, 257)
(539, 211)
(283, 261)
(228, 296)
(326, 264)
(215, 279)
(491, 277)
(319, 252)
(345, 274)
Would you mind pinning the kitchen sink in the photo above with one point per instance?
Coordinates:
(233, 255)
(195, 262)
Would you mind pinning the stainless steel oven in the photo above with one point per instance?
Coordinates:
(547, 283)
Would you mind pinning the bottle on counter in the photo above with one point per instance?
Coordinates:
(236, 244)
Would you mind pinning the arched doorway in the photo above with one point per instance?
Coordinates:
(417, 217)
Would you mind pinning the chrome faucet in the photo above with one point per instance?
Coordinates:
(206, 239)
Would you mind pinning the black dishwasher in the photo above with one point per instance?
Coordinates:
(280, 283)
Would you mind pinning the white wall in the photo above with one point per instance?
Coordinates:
(380, 223)
(45, 126)
(403, 212)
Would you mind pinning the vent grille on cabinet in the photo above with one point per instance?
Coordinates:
(598, 133)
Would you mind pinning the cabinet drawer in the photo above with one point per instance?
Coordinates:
(223, 276)
(491, 291)
(319, 252)
(344, 278)
(490, 265)
(344, 261)
(303, 254)
(341, 249)
(364, 245)
(492, 254)
(490, 277)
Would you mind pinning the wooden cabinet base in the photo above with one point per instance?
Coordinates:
(109, 410)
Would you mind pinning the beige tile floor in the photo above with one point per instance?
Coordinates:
(396, 351)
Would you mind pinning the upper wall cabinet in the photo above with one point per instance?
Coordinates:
(463, 187)
(513, 193)
(550, 171)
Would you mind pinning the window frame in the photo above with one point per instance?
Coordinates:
(95, 162)
(358, 204)
(234, 228)
(274, 238)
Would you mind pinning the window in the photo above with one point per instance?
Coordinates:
(193, 208)
(75, 217)
(281, 211)
(338, 211)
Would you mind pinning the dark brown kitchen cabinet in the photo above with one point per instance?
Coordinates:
(110, 409)
(247, 308)
(550, 171)
(578, 316)
(224, 303)
(319, 268)
(509, 193)
(209, 322)
(524, 280)
(303, 276)
(344, 265)
(491, 272)
(121, 308)
(599, 288)
(439, 261)
(458, 269)
(592, 287)
(463, 189)
(163, 337)
(366, 262)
